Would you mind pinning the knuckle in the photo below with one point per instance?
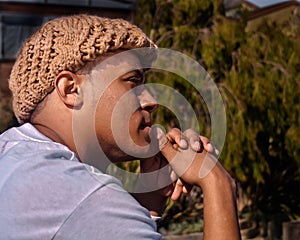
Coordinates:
(204, 139)
(174, 131)
(190, 133)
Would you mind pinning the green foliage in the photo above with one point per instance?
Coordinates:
(186, 227)
(260, 85)
(258, 76)
(126, 173)
(219, 49)
(183, 218)
(292, 142)
(6, 114)
(175, 24)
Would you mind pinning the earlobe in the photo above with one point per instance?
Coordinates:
(67, 85)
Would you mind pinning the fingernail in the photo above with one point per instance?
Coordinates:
(196, 146)
(183, 144)
(209, 147)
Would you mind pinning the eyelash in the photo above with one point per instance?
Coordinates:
(135, 80)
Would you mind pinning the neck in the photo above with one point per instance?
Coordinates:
(54, 119)
(53, 122)
(48, 132)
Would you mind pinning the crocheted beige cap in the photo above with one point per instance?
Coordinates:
(65, 43)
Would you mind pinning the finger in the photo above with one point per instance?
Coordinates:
(168, 190)
(159, 135)
(180, 160)
(177, 191)
(175, 136)
(187, 188)
(207, 144)
(209, 147)
(217, 152)
(173, 176)
(166, 148)
(193, 138)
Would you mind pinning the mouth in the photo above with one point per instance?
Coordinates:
(145, 125)
(145, 128)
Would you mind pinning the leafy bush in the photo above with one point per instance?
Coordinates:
(258, 76)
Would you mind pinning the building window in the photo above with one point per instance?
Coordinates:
(21, 18)
(15, 29)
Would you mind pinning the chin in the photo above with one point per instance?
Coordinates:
(121, 157)
(127, 152)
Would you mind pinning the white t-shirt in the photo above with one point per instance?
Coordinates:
(46, 193)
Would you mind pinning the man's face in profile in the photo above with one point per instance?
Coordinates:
(123, 106)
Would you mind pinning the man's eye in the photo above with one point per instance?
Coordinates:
(135, 80)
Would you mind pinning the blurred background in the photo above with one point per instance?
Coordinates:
(252, 51)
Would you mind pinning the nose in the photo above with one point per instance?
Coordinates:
(147, 101)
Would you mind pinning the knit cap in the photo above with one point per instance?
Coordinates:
(65, 43)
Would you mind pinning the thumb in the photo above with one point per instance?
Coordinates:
(164, 144)
(179, 159)
(165, 147)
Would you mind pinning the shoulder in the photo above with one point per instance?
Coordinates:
(46, 191)
(109, 213)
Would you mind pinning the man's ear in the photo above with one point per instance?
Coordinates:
(67, 85)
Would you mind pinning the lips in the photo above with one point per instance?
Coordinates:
(145, 128)
(144, 125)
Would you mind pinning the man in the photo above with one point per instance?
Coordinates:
(67, 82)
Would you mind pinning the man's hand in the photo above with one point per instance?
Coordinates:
(197, 143)
(202, 169)
(165, 179)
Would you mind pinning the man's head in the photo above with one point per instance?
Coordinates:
(115, 108)
(65, 44)
(51, 77)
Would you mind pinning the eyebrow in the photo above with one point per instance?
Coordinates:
(138, 72)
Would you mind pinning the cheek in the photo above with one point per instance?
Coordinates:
(117, 114)
(103, 114)
(106, 105)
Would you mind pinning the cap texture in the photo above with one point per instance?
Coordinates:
(65, 43)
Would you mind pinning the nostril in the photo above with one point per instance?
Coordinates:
(149, 107)
(147, 102)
